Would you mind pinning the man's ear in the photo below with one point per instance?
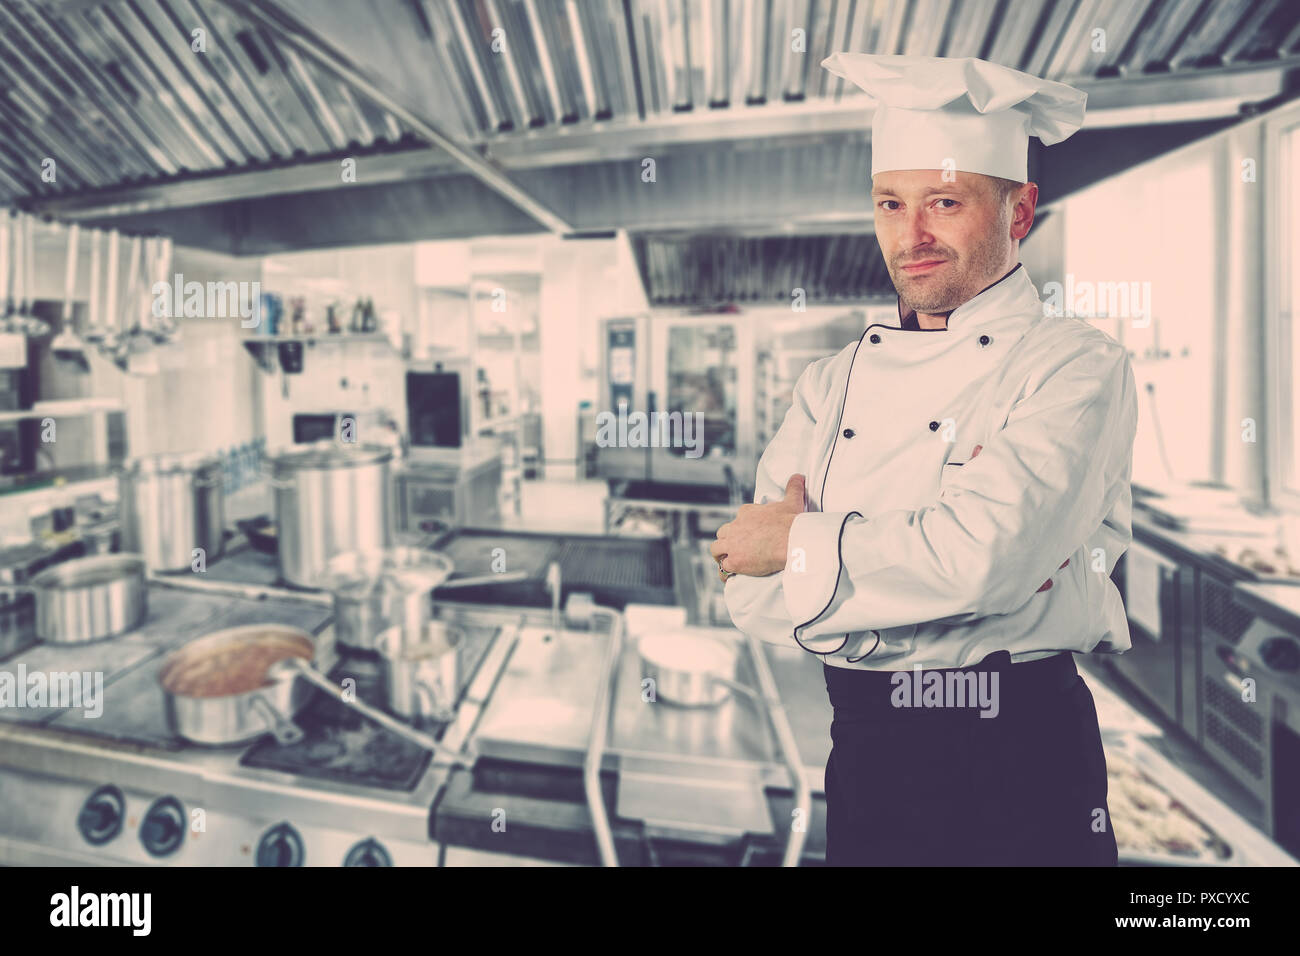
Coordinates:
(1022, 214)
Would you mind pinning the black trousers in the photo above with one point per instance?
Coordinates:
(943, 786)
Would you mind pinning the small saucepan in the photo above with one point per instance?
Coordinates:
(234, 685)
(690, 669)
(421, 679)
(356, 579)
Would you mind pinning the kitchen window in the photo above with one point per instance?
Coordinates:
(1282, 249)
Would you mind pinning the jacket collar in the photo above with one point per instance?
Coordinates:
(1014, 292)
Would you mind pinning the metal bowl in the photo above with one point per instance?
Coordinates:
(688, 669)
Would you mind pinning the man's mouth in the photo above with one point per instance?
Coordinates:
(923, 266)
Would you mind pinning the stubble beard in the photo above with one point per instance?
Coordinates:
(967, 275)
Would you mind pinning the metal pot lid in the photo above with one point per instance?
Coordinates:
(330, 454)
(90, 571)
(170, 464)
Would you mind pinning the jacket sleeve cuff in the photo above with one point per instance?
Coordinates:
(812, 565)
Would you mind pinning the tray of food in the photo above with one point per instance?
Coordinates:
(1153, 825)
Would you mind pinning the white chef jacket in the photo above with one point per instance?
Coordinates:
(910, 553)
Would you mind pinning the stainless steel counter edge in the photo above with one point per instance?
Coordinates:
(1259, 595)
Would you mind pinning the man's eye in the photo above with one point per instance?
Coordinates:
(888, 204)
(954, 202)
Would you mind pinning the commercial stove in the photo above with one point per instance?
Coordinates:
(119, 787)
(568, 764)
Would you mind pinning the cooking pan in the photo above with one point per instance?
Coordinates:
(261, 533)
(231, 686)
(357, 581)
(690, 670)
(211, 699)
(374, 590)
(421, 679)
(89, 599)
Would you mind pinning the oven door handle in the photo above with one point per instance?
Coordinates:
(1236, 672)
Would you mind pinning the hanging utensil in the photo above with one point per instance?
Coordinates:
(94, 331)
(170, 323)
(38, 325)
(13, 317)
(116, 345)
(111, 334)
(29, 323)
(6, 260)
(13, 305)
(137, 336)
(157, 262)
(66, 345)
(151, 322)
(126, 312)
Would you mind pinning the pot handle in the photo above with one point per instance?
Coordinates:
(311, 675)
(739, 688)
(285, 730)
(430, 697)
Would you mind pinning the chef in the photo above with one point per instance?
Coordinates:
(939, 513)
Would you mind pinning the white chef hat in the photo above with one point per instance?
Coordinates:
(964, 114)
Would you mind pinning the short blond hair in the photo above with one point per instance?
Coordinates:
(1004, 189)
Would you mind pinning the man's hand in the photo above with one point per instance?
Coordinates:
(757, 541)
(1048, 583)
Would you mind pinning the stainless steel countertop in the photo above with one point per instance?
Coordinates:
(542, 709)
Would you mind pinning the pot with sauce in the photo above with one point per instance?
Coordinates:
(234, 685)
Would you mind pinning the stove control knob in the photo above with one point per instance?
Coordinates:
(163, 829)
(280, 846)
(368, 853)
(1281, 653)
(101, 815)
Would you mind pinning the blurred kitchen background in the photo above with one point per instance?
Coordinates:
(468, 227)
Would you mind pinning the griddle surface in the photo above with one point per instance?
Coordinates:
(615, 571)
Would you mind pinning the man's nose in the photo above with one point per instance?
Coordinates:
(916, 230)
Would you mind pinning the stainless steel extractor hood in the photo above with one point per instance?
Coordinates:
(474, 117)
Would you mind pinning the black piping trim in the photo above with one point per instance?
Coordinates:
(1018, 267)
(835, 440)
(854, 660)
(839, 557)
(902, 328)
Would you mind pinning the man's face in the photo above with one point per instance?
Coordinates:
(943, 242)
